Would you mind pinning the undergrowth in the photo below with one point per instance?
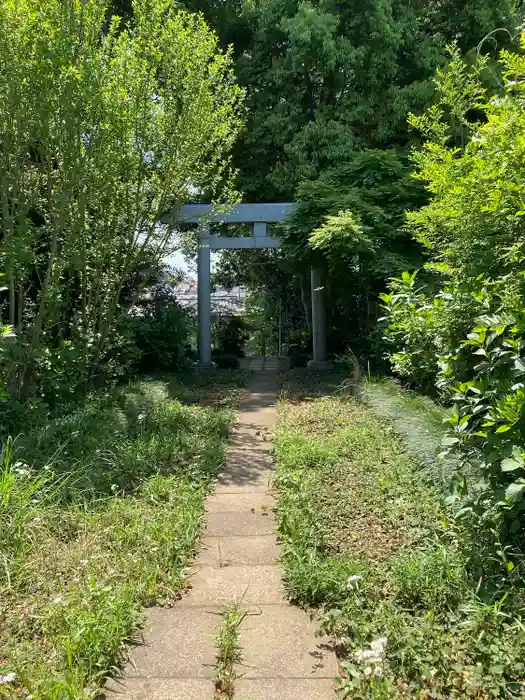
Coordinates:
(416, 604)
(100, 511)
(229, 652)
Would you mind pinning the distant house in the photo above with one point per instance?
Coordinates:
(224, 302)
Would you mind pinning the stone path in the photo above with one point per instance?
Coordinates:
(282, 658)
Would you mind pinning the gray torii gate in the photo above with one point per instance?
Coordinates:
(258, 215)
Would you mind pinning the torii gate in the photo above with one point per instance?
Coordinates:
(258, 215)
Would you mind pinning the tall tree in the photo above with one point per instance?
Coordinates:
(329, 89)
(102, 129)
(325, 79)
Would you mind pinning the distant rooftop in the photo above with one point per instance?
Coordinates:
(223, 300)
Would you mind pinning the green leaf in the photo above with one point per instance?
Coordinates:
(504, 428)
(514, 491)
(510, 464)
(519, 365)
(465, 419)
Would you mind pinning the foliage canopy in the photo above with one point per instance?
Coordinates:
(103, 127)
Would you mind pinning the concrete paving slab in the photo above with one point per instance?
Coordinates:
(259, 585)
(254, 551)
(209, 554)
(252, 459)
(160, 689)
(280, 642)
(238, 551)
(250, 438)
(177, 644)
(259, 485)
(240, 503)
(281, 689)
(260, 415)
(227, 524)
(231, 481)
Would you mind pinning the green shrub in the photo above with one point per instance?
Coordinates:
(485, 376)
(464, 334)
(229, 336)
(160, 328)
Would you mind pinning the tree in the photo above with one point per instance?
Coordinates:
(327, 79)
(350, 221)
(329, 87)
(103, 128)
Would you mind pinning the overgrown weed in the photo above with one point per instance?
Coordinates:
(100, 512)
(229, 652)
(368, 540)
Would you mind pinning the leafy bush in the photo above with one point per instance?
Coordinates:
(421, 327)
(466, 335)
(160, 327)
(485, 376)
(230, 334)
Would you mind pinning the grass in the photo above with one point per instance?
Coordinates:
(431, 414)
(100, 512)
(420, 423)
(414, 607)
(229, 653)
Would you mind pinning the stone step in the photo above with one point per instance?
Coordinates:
(284, 689)
(281, 642)
(160, 689)
(231, 523)
(255, 503)
(258, 483)
(239, 551)
(177, 643)
(260, 585)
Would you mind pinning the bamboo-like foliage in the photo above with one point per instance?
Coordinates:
(103, 127)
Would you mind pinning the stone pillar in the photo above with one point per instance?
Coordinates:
(319, 362)
(204, 298)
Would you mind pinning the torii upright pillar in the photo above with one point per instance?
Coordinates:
(204, 298)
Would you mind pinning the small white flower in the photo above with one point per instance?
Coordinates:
(368, 671)
(378, 671)
(368, 656)
(379, 644)
(84, 561)
(8, 678)
(373, 655)
(141, 416)
(352, 582)
(22, 469)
